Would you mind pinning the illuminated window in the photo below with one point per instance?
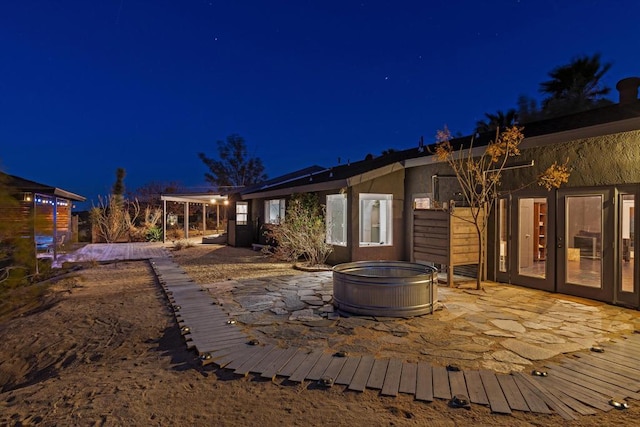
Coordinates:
(242, 213)
(376, 219)
(274, 211)
(337, 219)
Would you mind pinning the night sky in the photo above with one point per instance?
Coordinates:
(87, 86)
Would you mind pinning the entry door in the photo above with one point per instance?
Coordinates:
(533, 263)
(584, 244)
(627, 290)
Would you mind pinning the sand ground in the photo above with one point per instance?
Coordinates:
(104, 349)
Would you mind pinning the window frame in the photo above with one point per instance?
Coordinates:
(281, 211)
(244, 214)
(328, 218)
(385, 219)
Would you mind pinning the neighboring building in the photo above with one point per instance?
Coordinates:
(578, 240)
(48, 208)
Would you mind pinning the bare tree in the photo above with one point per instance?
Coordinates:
(479, 172)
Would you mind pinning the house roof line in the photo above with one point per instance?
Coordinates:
(375, 173)
(608, 128)
(26, 185)
(286, 191)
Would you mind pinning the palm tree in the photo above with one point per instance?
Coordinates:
(500, 120)
(575, 86)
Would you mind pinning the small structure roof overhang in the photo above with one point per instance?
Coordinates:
(204, 198)
(29, 186)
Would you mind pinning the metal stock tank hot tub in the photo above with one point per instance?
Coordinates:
(384, 288)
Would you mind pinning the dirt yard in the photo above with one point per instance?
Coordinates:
(104, 349)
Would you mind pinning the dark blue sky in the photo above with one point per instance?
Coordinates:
(90, 86)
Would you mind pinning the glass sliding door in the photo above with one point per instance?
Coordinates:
(586, 225)
(533, 256)
(627, 292)
(583, 235)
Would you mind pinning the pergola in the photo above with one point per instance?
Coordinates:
(204, 199)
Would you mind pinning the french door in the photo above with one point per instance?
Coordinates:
(526, 250)
(584, 243)
(627, 291)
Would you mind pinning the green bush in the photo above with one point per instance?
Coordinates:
(154, 234)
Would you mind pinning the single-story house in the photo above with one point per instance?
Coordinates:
(578, 240)
(48, 209)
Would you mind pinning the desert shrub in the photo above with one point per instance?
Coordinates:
(182, 244)
(154, 234)
(115, 218)
(302, 234)
(175, 233)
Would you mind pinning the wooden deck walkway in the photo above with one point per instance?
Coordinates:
(582, 385)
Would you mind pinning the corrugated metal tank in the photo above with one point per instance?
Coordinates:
(384, 288)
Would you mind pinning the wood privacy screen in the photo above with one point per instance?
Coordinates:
(445, 238)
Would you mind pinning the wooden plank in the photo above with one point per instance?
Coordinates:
(441, 389)
(207, 347)
(378, 371)
(512, 393)
(237, 358)
(348, 370)
(629, 373)
(305, 367)
(581, 380)
(628, 352)
(565, 397)
(320, 366)
(392, 378)
(612, 357)
(261, 366)
(627, 343)
(457, 383)
(602, 374)
(335, 367)
(272, 370)
(592, 383)
(553, 402)
(584, 395)
(535, 403)
(424, 382)
(248, 364)
(224, 345)
(408, 378)
(497, 400)
(475, 388)
(359, 380)
(290, 367)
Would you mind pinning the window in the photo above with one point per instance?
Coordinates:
(376, 219)
(337, 219)
(242, 213)
(274, 211)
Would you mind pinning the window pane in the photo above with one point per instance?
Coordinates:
(376, 219)
(532, 229)
(502, 218)
(274, 211)
(584, 240)
(242, 210)
(627, 242)
(337, 219)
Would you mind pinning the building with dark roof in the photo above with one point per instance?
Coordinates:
(578, 240)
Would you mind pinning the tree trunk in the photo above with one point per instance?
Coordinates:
(481, 256)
